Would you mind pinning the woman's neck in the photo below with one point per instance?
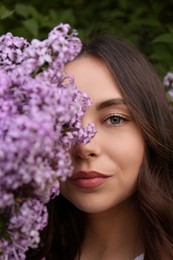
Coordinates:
(113, 234)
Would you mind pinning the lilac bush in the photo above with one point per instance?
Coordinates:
(40, 119)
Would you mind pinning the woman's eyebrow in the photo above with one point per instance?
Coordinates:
(110, 102)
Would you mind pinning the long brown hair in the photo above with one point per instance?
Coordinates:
(145, 97)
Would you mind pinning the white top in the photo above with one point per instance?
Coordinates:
(140, 257)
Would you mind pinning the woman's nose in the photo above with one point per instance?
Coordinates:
(87, 151)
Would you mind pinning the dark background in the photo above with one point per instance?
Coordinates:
(147, 24)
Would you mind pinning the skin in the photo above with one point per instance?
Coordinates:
(117, 151)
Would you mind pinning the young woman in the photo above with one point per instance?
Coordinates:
(118, 204)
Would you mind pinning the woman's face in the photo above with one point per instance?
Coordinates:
(106, 169)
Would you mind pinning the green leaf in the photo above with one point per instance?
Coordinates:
(4, 12)
(3, 226)
(163, 55)
(164, 38)
(32, 26)
(67, 16)
(26, 10)
(124, 4)
(21, 31)
(22, 10)
(34, 12)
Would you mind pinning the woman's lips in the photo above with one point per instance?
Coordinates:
(88, 179)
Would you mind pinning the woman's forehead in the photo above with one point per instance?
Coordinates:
(93, 77)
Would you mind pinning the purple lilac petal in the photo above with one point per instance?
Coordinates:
(36, 100)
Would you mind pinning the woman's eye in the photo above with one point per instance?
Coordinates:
(115, 120)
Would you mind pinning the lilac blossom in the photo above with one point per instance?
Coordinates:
(168, 80)
(168, 84)
(40, 119)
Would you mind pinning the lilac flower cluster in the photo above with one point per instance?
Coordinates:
(168, 84)
(40, 118)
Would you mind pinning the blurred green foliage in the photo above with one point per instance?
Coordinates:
(147, 24)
